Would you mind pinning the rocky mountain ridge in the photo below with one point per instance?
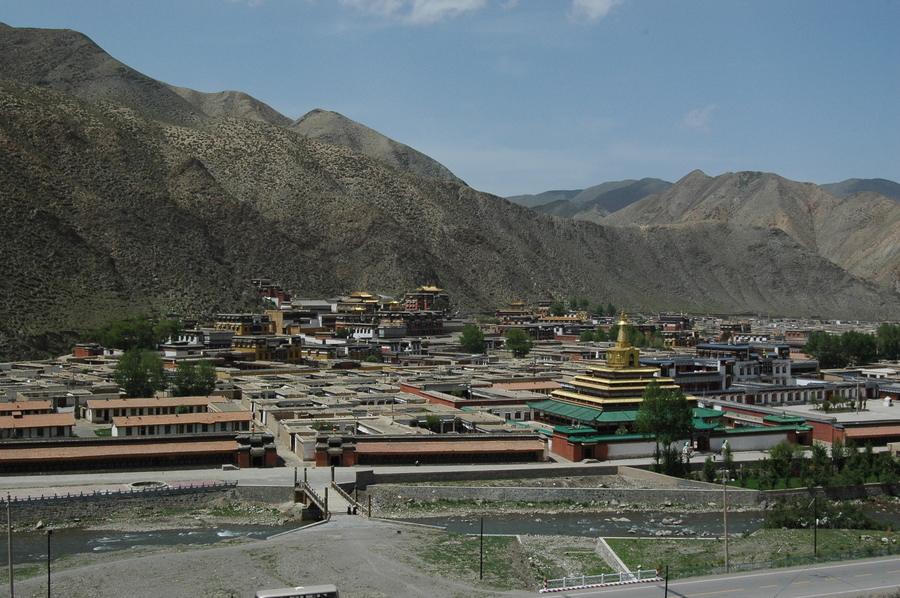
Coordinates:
(119, 193)
(860, 233)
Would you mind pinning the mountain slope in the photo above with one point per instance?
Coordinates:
(69, 62)
(106, 210)
(889, 189)
(232, 104)
(337, 129)
(595, 202)
(859, 233)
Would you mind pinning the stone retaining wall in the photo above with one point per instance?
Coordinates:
(610, 496)
(366, 477)
(100, 506)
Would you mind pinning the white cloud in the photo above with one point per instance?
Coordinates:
(416, 12)
(699, 118)
(592, 10)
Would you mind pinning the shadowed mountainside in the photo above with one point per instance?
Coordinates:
(109, 207)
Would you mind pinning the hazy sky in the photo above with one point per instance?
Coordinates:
(524, 96)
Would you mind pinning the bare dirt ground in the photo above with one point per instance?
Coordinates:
(364, 558)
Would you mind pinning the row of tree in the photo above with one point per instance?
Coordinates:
(143, 331)
(844, 465)
(635, 337)
(854, 348)
(141, 373)
(558, 308)
(516, 340)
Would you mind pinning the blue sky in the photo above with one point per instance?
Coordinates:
(524, 96)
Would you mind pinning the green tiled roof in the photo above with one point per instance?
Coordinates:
(583, 414)
(785, 420)
(706, 413)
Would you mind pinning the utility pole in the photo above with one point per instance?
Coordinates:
(815, 525)
(481, 553)
(49, 533)
(725, 515)
(9, 544)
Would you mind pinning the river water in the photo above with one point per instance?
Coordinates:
(644, 523)
(31, 547)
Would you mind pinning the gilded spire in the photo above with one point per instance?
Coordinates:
(622, 340)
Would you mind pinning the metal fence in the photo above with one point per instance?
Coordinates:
(593, 581)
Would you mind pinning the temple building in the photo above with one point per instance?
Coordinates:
(594, 413)
(619, 385)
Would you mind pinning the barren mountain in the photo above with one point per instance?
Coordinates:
(593, 203)
(889, 189)
(232, 104)
(337, 129)
(109, 206)
(860, 233)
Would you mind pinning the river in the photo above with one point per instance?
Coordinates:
(31, 547)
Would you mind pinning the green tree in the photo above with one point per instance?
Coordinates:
(858, 348)
(888, 341)
(557, 309)
(142, 331)
(139, 373)
(610, 309)
(826, 348)
(666, 416)
(583, 303)
(518, 341)
(573, 303)
(433, 423)
(635, 336)
(472, 339)
(194, 379)
(343, 332)
(657, 340)
(440, 304)
(820, 465)
(586, 336)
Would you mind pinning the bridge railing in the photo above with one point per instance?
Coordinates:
(314, 496)
(605, 579)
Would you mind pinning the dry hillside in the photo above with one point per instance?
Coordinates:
(860, 233)
(111, 204)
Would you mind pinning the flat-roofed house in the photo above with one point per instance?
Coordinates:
(36, 425)
(103, 410)
(183, 423)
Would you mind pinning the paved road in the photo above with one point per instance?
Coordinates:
(854, 578)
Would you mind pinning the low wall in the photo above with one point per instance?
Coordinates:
(368, 476)
(98, 506)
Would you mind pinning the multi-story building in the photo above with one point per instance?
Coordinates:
(245, 324)
(424, 299)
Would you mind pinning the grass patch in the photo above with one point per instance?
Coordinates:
(551, 559)
(684, 556)
(24, 571)
(461, 554)
(103, 432)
